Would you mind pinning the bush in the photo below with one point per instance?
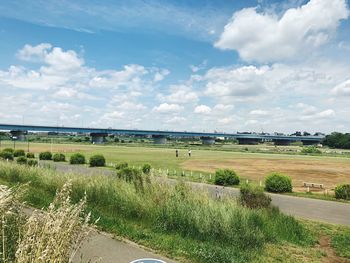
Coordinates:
(32, 162)
(342, 191)
(8, 150)
(122, 165)
(278, 183)
(18, 153)
(97, 160)
(30, 155)
(226, 177)
(45, 156)
(59, 157)
(22, 160)
(253, 196)
(146, 168)
(311, 150)
(6, 155)
(77, 158)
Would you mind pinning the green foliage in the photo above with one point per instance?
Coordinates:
(311, 150)
(338, 140)
(121, 165)
(32, 162)
(59, 157)
(253, 196)
(8, 150)
(342, 191)
(278, 183)
(97, 160)
(77, 158)
(18, 153)
(21, 160)
(146, 168)
(226, 177)
(30, 155)
(6, 155)
(45, 156)
(341, 244)
(220, 229)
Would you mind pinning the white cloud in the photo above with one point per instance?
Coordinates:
(265, 36)
(180, 94)
(202, 109)
(175, 120)
(244, 81)
(34, 53)
(168, 108)
(160, 75)
(223, 108)
(259, 112)
(342, 89)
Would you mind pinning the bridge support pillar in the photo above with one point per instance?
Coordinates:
(98, 138)
(248, 141)
(208, 140)
(282, 142)
(18, 135)
(159, 139)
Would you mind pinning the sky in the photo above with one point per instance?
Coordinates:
(219, 65)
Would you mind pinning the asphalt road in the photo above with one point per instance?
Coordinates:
(307, 208)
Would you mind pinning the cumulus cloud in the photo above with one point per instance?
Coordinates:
(179, 94)
(265, 36)
(259, 112)
(342, 89)
(202, 109)
(244, 81)
(168, 108)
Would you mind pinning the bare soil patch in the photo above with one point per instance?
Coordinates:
(328, 172)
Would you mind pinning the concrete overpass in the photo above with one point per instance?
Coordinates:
(98, 134)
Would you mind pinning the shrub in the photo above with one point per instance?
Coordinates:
(22, 160)
(59, 157)
(253, 196)
(18, 153)
(77, 158)
(226, 177)
(146, 168)
(278, 183)
(311, 150)
(32, 162)
(6, 155)
(30, 155)
(121, 165)
(97, 160)
(8, 150)
(342, 191)
(45, 156)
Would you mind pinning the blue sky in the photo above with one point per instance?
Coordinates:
(177, 65)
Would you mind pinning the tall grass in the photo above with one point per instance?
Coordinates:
(220, 229)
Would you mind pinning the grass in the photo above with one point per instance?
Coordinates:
(175, 220)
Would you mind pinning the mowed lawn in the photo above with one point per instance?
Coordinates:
(254, 166)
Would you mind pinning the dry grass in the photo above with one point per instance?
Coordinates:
(54, 235)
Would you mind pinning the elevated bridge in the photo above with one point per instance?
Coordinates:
(98, 134)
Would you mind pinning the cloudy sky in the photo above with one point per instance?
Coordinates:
(176, 65)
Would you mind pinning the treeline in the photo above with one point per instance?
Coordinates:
(338, 140)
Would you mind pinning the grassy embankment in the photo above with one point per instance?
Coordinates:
(177, 221)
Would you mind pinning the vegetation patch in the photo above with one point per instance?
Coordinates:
(253, 196)
(226, 177)
(30, 155)
(18, 153)
(77, 158)
(342, 191)
(45, 156)
(278, 183)
(59, 157)
(97, 160)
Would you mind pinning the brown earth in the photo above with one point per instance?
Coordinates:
(330, 257)
(328, 171)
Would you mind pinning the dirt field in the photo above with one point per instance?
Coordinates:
(328, 171)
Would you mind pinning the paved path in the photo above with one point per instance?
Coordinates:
(314, 209)
(102, 247)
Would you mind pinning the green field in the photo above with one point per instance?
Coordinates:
(327, 170)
